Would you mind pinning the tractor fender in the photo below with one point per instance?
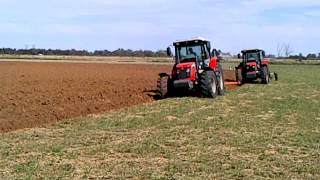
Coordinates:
(239, 66)
(213, 63)
(265, 62)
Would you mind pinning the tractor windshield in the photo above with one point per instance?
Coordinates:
(253, 56)
(191, 53)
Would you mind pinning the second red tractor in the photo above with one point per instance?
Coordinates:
(254, 66)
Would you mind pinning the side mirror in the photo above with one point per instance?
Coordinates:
(239, 56)
(169, 52)
(219, 52)
(214, 52)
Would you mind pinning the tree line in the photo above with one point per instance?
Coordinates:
(74, 52)
(284, 51)
(135, 53)
(311, 56)
(301, 57)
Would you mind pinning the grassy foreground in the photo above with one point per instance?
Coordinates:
(255, 132)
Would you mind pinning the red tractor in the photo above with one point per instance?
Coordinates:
(196, 69)
(254, 66)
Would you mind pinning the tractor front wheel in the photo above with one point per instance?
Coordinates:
(164, 86)
(208, 84)
(265, 75)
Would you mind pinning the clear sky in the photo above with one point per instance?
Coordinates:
(231, 25)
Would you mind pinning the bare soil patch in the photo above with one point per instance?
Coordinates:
(34, 94)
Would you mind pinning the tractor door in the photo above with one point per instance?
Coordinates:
(206, 56)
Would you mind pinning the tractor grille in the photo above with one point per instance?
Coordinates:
(183, 74)
(251, 68)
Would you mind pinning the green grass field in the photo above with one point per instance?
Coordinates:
(259, 131)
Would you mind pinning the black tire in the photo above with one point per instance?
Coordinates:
(239, 77)
(163, 86)
(221, 86)
(265, 75)
(208, 84)
(276, 76)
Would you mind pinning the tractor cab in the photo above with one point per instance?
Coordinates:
(191, 57)
(194, 50)
(253, 55)
(253, 59)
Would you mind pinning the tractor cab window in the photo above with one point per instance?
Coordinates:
(251, 56)
(189, 53)
(182, 52)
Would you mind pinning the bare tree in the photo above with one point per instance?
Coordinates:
(287, 50)
(279, 50)
(284, 50)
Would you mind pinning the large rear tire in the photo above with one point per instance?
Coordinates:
(239, 77)
(265, 75)
(221, 87)
(164, 86)
(208, 84)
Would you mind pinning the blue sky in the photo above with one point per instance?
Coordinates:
(153, 24)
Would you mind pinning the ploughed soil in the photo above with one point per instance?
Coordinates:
(35, 94)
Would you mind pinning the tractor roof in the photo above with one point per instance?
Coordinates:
(251, 50)
(191, 40)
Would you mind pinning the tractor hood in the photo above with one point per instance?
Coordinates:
(185, 71)
(187, 65)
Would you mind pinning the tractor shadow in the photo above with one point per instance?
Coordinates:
(155, 94)
(256, 82)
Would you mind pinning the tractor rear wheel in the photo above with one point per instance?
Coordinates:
(208, 84)
(221, 87)
(265, 75)
(239, 77)
(164, 86)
